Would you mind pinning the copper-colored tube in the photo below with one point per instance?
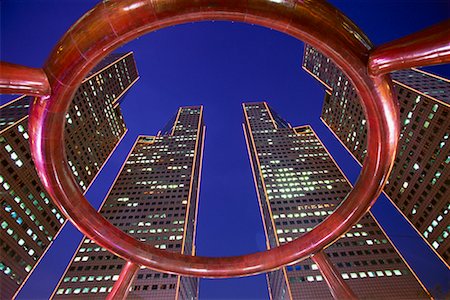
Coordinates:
(113, 23)
(122, 285)
(430, 46)
(338, 287)
(16, 79)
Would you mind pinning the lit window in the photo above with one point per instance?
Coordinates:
(435, 245)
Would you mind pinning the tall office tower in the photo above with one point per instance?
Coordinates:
(29, 221)
(299, 185)
(154, 198)
(419, 185)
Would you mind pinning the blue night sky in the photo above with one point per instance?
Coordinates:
(220, 65)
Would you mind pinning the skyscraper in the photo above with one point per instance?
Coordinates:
(298, 185)
(154, 198)
(419, 185)
(29, 221)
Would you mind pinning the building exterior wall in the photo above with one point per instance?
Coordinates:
(13, 111)
(298, 186)
(154, 198)
(29, 221)
(419, 185)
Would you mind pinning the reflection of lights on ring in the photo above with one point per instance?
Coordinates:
(132, 6)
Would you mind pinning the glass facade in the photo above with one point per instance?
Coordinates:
(29, 220)
(299, 185)
(154, 198)
(419, 185)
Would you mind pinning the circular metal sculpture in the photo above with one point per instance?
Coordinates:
(113, 23)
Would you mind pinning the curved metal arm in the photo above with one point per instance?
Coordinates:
(16, 79)
(427, 47)
(112, 23)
